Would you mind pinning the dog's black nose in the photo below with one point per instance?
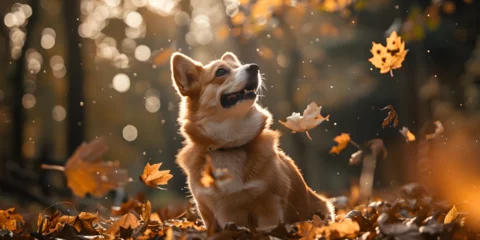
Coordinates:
(252, 68)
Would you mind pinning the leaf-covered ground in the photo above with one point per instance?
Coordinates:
(414, 214)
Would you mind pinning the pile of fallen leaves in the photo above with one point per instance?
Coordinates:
(413, 215)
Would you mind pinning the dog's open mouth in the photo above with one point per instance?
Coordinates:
(230, 99)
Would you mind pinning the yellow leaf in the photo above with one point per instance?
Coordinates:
(11, 221)
(87, 173)
(342, 140)
(451, 215)
(152, 176)
(409, 137)
(389, 57)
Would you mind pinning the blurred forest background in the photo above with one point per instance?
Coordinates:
(75, 70)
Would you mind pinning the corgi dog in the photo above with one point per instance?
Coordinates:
(221, 120)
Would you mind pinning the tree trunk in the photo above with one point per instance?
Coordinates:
(75, 117)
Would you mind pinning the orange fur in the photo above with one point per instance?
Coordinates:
(266, 188)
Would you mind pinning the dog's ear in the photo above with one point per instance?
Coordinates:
(229, 56)
(185, 73)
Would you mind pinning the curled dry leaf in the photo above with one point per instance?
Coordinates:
(11, 221)
(392, 117)
(356, 157)
(87, 173)
(438, 131)
(152, 177)
(212, 177)
(451, 215)
(389, 57)
(342, 140)
(409, 137)
(310, 119)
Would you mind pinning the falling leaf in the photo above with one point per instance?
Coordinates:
(162, 57)
(392, 117)
(310, 119)
(128, 221)
(389, 57)
(11, 221)
(87, 173)
(451, 215)
(342, 140)
(152, 177)
(438, 131)
(212, 177)
(356, 157)
(409, 137)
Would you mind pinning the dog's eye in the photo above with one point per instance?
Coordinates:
(220, 72)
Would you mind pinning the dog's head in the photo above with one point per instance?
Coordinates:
(218, 98)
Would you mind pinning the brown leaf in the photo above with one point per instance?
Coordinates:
(128, 221)
(152, 177)
(11, 221)
(86, 173)
(392, 117)
(342, 140)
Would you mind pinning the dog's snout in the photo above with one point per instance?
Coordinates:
(252, 68)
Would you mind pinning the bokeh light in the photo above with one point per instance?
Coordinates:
(130, 133)
(142, 53)
(59, 113)
(152, 100)
(121, 82)
(133, 19)
(29, 101)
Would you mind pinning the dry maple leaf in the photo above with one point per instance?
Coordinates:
(392, 117)
(212, 177)
(152, 177)
(87, 173)
(128, 220)
(438, 131)
(389, 57)
(409, 137)
(11, 221)
(342, 140)
(310, 119)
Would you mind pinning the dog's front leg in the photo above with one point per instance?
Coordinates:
(207, 216)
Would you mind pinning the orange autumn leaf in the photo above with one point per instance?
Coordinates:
(212, 177)
(342, 140)
(162, 57)
(152, 177)
(128, 221)
(409, 137)
(87, 173)
(11, 221)
(392, 117)
(389, 57)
